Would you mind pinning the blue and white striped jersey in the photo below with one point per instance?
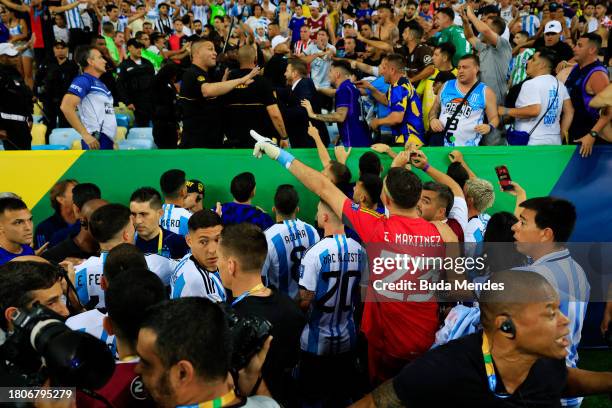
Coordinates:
(570, 281)
(191, 279)
(175, 219)
(89, 273)
(530, 23)
(200, 13)
(287, 242)
(332, 270)
(96, 109)
(476, 227)
(91, 322)
(73, 17)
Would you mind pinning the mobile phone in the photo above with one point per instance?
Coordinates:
(504, 178)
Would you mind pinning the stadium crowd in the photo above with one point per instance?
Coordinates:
(523, 72)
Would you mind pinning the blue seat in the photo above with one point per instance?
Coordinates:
(63, 136)
(123, 120)
(137, 144)
(140, 133)
(50, 147)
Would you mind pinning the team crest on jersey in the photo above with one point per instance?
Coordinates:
(201, 78)
(137, 389)
(355, 207)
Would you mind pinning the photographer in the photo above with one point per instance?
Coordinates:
(202, 126)
(242, 251)
(185, 350)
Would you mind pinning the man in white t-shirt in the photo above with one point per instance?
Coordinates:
(543, 107)
(319, 55)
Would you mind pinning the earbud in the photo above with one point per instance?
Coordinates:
(508, 327)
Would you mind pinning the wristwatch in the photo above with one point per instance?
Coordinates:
(594, 134)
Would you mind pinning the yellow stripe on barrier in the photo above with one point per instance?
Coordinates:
(30, 174)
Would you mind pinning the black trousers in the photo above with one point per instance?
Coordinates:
(19, 137)
(165, 134)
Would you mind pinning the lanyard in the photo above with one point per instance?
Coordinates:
(249, 292)
(489, 368)
(216, 403)
(160, 241)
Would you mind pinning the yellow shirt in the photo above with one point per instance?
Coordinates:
(425, 91)
(306, 10)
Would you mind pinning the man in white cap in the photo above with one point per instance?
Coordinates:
(15, 103)
(277, 65)
(552, 41)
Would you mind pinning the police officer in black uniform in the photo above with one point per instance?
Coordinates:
(15, 103)
(136, 76)
(200, 109)
(53, 81)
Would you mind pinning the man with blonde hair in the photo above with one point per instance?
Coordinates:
(479, 196)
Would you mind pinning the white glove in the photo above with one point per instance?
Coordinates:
(264, 145)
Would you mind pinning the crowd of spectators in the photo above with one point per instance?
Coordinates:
(363, 72)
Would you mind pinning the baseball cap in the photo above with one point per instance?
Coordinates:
(195, 186)
(553, 27)
(277, 40)
(60, 43)
(8, 49)
(349, 22)
(553, 6)
(314, 4)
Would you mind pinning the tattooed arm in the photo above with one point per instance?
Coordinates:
(382, 397)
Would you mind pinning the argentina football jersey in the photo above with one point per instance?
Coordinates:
(89, 274)
(175, 219)
(91, 322)
(287, 242)
(191, 279)
(332, 269)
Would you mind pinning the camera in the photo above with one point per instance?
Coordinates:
(42, 346)
(248, 334)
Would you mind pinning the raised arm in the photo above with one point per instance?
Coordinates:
(490, 35)
(421, 162)
(381, 45)
(19, 7)
(467, 29)
(457, 156)
(583, 382)
(66, 7)
(339, 116)
(210, 90)
(321, 148)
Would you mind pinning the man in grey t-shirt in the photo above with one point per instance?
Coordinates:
(494, 51)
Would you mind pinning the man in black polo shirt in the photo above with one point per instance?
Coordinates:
(201, 111)
(251, 106)
(517, 361)
(150, 238)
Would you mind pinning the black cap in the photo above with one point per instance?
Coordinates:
(61, 43)
(195, 186)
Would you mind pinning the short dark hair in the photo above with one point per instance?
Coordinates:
(242, 186)
(127, 298)
(83, 192)
(147, 195)
(108, 27)
(444, 76)
(299, 66)
(555, 213)
(342, 65)
(342, 174)
(208, 347)
(369, 162)
(286, 199)
(499, 227)
(448, 11)
(82, 54)
(11, 204)
(416, 30)
(156, 36)
(447, 48)
(59, 189)
(397, 60)
(472, 57)
(19, 279)
(171, 182)
(499, 25)
(133, 42)
(550, 56)
(246, 242)
(404, 187)
(594, 39)
(122, 258)
(110, 7)
(457, 172)
(445, 195)
(489, 9)
(203, 219)
(373, 184)
(107, 221)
